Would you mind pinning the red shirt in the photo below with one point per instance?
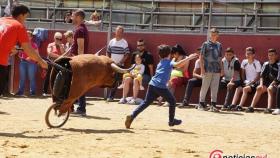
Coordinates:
(24, 56)
(80, 32)
(54, 49)
(11, 32)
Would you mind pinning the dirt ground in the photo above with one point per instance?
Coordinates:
(23, 132)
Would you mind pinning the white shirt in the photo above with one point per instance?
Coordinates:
(251, 70)
(118, 49)
(139, 69)
(197, 64)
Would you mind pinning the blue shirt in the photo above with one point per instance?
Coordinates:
(212, 54)
(162, 74)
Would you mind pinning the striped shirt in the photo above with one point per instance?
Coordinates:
(117, 49)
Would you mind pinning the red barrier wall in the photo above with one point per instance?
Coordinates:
(189, 41)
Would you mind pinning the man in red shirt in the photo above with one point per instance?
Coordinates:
(12, 31)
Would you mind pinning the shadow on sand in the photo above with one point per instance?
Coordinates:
(90, 131)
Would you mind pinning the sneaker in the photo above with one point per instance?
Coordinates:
(276, 112)
(183, 105)
(46, 95)
(231, 107)
(32, 94)
(166, 104)
(123, 101)
(214, 109)
(110, 99)
(120, 86)
(238, 108)
(268, 111)
(18, 94)
(250, 110)
(174, 122)
(79, 112)
(132, 102)
(201, 106)
(225, 108)
(128, 121)
(159, 99)
(142, 88)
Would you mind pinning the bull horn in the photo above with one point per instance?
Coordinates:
(116, 68)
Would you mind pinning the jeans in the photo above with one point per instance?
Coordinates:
(153, 93)
(278, 97)
(209, 80)
(82, 103)
(230, 91)
(194, 82)
(47, 80)
(3, 74)
(27, 69)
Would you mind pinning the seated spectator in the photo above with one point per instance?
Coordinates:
(69, 35)
(196, 81)
(250, 73)
(67, 17)
(27, 68)
(179, 75)
(268, 75)
(94, 19)
(147, 61)
(54, 50)
(136, 76)
(276, 84)
(231, 78)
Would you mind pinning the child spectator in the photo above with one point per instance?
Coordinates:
(250, 73)
(69, 35)
(231, 78)
(137, 75)
(268, 75)
(211, 70)
(27, 68)
(196, 81)
(157, 86)
(94, 19)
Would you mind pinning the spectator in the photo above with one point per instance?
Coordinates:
(80, 46)
(137, 75)
(196, 81)
(7, 10)
(231, 78)
(54, 50)
(250, 73)
(276, 84)
(211, 70)
(69, 35)
(268, 75)
(67, 17)
(157, 86)
(117, 50)
(94, 19)
(15, 33)
(179, 75)
(27, 67)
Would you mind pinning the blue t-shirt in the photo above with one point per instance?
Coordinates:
(162, 74)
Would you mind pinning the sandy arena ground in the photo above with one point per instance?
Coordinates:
(23, 132)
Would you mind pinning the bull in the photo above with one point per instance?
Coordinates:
(85, 71)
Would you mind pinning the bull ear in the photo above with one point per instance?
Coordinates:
(116, 68)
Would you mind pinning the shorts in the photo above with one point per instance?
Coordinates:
(252, 86)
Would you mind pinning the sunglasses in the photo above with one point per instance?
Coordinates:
(60, 39)
(140, 45)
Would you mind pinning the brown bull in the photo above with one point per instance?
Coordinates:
(88, 70)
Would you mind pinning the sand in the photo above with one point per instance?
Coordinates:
(23, 132)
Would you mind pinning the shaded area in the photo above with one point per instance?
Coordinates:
(91, 117)
(169, 131)
(4, 113)
(22, 135)
(90, 131)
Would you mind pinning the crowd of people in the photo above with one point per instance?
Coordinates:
(211, 70)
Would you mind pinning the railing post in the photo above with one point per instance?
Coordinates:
(202, 17)
(152, 19)
(256, 17)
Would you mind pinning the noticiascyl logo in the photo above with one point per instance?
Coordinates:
(216, 154)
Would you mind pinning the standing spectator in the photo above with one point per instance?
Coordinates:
(250, 73)
(94, 19)
(137, 76)
(196, 81)
(211, 69)
(7, 10)
(158, 86)
(268, 75)
(148, 62)
(67, 17)
(15, 33)
(69, 35)
(231, 78)
(27, 67)
(54, 50)
(117, 50)
(80, 46)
